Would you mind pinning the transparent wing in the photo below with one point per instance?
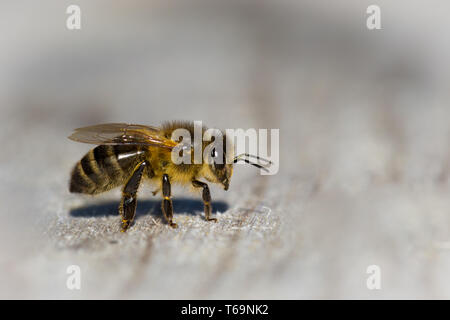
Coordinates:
(122, 133)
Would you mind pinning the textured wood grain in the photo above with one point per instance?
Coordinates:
(364, 152)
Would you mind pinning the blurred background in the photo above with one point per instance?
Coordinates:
(364, 148)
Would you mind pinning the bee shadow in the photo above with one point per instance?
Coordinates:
(146, 207)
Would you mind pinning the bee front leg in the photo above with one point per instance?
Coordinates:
(206, 196)
(166, 206)
(127, 207)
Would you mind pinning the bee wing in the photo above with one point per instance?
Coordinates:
(122, 133)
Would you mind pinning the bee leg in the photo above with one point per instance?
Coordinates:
(206, 195)
(127, 207)
(166, 206)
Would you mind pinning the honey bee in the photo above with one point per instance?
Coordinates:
(128, 154)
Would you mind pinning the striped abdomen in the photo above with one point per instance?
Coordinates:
(105, 167)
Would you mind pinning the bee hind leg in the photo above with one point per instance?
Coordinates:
(127, 207)
(166, 206)
(206, 196)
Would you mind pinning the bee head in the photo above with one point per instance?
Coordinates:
(219, 158)
(220, 169)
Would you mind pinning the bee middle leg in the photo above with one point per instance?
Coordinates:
(206, 195)
(127, 207)
(166, 206)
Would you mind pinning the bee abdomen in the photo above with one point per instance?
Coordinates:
(80, 182)
(103, 168)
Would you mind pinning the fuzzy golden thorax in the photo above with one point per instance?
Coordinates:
(217, 158)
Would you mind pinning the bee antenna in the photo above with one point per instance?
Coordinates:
(251, 163)
(239, 157)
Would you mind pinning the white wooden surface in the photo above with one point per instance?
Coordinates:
(364, 148)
